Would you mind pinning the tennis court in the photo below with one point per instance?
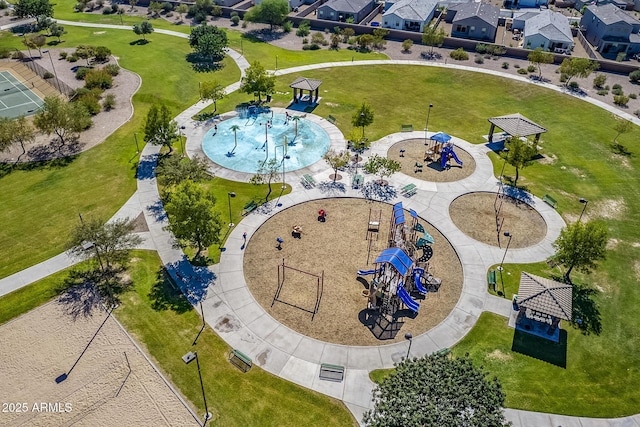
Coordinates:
(15, 98)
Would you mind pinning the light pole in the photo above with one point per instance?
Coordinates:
(426, 127)
(188, 358)
(135, 137)
(409, 338)
(500, 268)
(229, 196)
(585, 202)
(52, 66)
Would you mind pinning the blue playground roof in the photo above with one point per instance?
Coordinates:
(398, 258)
(398, 214)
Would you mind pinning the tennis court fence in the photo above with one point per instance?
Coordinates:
(60, 86)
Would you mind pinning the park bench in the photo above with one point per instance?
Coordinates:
(310, 180)
(491, 279)
(240, 360)
(411, 192)
(249, 207)
(331, 119)
(550, 201)
(442, 352)
(406, 128)
(407, 187)
(330, 372)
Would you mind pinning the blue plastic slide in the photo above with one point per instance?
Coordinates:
(445, 155)
(366, 272)
(417, 274)
(407, 300)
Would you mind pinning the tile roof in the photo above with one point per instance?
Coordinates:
(545, 296)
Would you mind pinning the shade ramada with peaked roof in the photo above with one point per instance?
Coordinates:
(515, 125)
(545, 296)
(301, 84)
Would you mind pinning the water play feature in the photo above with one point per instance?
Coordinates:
(245, 142)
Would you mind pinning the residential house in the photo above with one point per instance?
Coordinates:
(611, 30)
(476, 21)
(548, 30)
(522, 4)
(409, 15)
(346, 10)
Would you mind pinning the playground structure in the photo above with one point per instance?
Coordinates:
(282, 268)
(442, 145)
(402, 268)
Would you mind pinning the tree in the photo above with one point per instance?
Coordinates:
(154, 8)
(577, 67)
(538, 57)
(212, 90)
(520, 154)
(181, 10)
(364, 41)
(142, 29)
(407, 45)
(581, 245)
(133, 4)
(362, 117)
(336, 160)
(599, 80)
(35, 41)
(432, 36)
(208, 41)
(347, 33)
(382, 166)
(192, 216)
(257, 80)
(57, 30)
(15, 131)
(266, 172)
(85, 52)
(272, 12)
(621, 126)
(335, 41)
(437, 391)
(65, 119)
(159, 128)
(175, 169)
(111, 243)
(38, 9)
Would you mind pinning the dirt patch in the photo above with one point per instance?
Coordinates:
(339, 248)
(498, 355)
(608, 208)
(415, 152)
(475, 215)
(44, 343)
(636, 269)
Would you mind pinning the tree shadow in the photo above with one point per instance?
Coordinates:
(264, 35)
(164, 295)
(139, 42)
(192, 280)
(540, 348)
(55, 150)
(374, 191)
(157, 210)
(620, 149)
(331, 187)
(381, 327)
(147, 166)
(7, 168)
(586, 314)
(204, 64)
(520, 193)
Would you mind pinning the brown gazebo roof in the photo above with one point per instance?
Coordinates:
(517, 125)
(304, 83)
(545, 296)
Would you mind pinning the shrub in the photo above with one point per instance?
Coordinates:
(479, 59)
(244, 24)
(305, 40)
(621, 100)
(113, 69)
(287, 26)
(216, 11)
(574, 86)
(603, 92)
(497, 50)
(531, 68)
(109, 102)
(106, 11)
(98, 79)
(167, 7)
(599, 80)
(47, 75)
(481, 48)
(235, 20)
(637, 113)
(407, 45)
(516, 66)
(81, 72)
(312, 46)
(101, 53)
(63, 55)
(621, 56)
(617, 89)
(318, 38)
(633, 96)
(563, 77)
(634, 76)
(91, 103)
(18, 55)
(459, 54)
(114, 8)
(233, 13)
(72, 58)
(505, 65)
(5, 52)
(522, 71)
(304, 29)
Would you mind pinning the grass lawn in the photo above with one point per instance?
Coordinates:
(160, 317)
(44, 199)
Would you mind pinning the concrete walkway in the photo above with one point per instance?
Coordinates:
(231, 310)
